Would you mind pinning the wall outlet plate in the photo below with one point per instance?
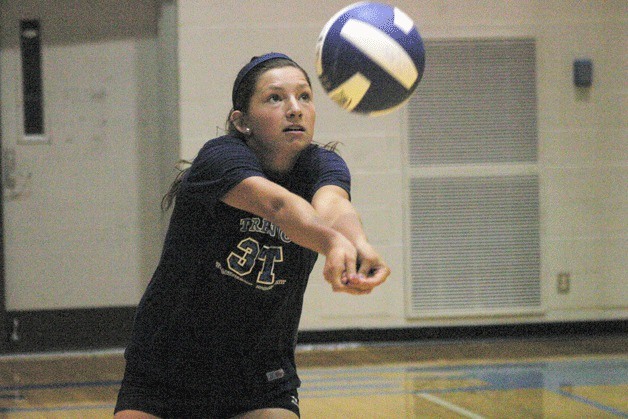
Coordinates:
(563, 282)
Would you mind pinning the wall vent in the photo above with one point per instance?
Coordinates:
(475, 104)
(472, 181)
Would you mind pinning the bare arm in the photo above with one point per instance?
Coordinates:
(298, 219)
(333, 205)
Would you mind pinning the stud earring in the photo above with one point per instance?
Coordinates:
(247, 131)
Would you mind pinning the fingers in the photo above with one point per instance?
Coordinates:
(375, 278)
(345, 274)
(376, 275)
(360, 284)
(340, 264)
(350, 289)
(333, 274)
(350, 283)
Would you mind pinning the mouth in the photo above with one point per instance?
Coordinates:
(294, 128)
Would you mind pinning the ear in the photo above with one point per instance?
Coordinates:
(237, 117)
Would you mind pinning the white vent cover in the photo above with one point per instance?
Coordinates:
(472, 181)
(474, 245)
(476, 103)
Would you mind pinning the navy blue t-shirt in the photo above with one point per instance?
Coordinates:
(222, 310)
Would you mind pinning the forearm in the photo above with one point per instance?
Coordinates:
(302, 224)
(292, 214)
(347, 221)
(334, 207)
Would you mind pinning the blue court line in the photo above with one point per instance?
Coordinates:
(346, 387)
(57, 386)
(12, 397)
(547, 375)
(608, 371)
(57, 408)
(592, 403)
(362, 394)
(52, 386)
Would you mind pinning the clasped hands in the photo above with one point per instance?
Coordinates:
(354, 269)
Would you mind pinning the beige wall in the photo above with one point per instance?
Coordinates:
(200, 46)
(582, 138)
(80, 217)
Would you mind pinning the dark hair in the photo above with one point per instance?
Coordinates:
(241, 101)
(243, 90)
(182, 167)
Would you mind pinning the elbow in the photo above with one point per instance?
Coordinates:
(274, 209)
(276, 205)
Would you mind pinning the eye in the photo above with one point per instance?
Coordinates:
(274, 98)
(306, 96)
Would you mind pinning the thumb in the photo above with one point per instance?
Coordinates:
(350, 271)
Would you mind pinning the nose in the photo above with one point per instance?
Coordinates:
(294, 109)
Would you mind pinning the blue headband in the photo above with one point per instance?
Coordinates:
(250, 66)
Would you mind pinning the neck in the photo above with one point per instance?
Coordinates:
(275, 164)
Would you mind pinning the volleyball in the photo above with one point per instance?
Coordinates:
(370, 58)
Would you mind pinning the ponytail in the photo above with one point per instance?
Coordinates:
(182, 166)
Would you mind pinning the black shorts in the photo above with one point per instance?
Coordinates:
(139, 393)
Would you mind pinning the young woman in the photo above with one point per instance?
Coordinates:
(215, 332)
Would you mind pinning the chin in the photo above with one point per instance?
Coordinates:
(301, 140)
(304, 143)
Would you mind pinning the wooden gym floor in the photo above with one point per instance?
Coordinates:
(577, 377)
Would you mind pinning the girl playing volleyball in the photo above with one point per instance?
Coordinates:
(215, 332)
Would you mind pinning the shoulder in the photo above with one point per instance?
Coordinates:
(221, 163)
(222, 143)
(316, 155)
(225, 156)
(319, 166)
(223, 150)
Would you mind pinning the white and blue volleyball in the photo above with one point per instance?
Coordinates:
(370, 58)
